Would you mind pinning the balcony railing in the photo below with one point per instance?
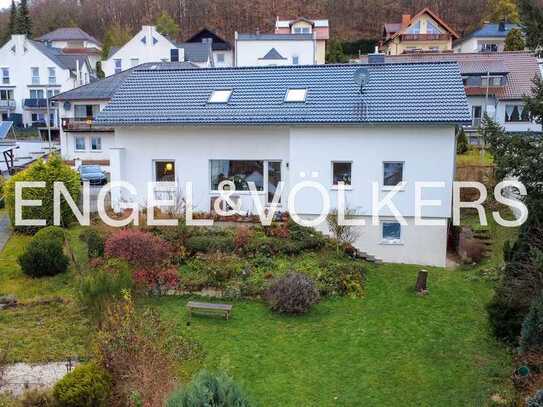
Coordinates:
(7, 104)
(35, 103)
(82, 124)
(424, 37)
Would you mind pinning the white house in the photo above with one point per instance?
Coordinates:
(149, 45)
(30, 73)
(489, 38)
(301, 25)
(321, 123)
(495, 82)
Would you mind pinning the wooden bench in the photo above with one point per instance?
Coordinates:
(209, 308)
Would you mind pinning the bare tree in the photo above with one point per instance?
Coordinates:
(343, 233)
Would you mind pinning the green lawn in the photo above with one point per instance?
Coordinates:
(391, 348)
(474, 156)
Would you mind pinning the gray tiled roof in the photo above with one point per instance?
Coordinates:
(68, 34)
(195, 51)
(104, 89)
(427, 92)
(65, 61)
(273, 54)
(274, 37)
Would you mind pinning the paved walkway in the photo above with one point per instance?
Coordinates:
(5, 230)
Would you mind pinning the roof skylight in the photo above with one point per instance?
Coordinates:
(220, 96)
(295, 95)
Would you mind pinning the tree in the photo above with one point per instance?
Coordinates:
(12, 19)
(23, 22)
(462, 143)
(514, 40)
(335, 53)
(531, 339)
(344, 234)
(502, 10)
(116, 36)
(534, 103)
(167, 26)
(532, 23)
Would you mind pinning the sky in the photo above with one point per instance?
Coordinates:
(4, 3)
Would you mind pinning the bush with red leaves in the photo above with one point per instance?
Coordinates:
(157, 280)
(294, 293)
(242, 237)
(141, 249)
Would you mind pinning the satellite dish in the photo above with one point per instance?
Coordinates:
(67, 105)
(361, 77)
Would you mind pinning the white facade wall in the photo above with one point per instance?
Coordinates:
(136, 49)
(307, 153)
(514, 126)
(249, 53)
(474, 44)
(20, 63)
(228, 58)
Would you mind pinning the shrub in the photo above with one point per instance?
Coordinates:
(95, 242)
(341, 279)
(157, 280)
(54, 170)
(43, 258)
(210, 243)
(213, 270)
(462, 142)
(241, 237)
(139, 248)
(37, 398)
(294, 293)
(55, 233)
(207, 389)
(536, 400)
(103, 286)
(531, 338)
(86, 386)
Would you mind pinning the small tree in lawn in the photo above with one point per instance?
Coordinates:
(514, 40)
(343, 234)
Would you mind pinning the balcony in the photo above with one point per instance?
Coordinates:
(35, 103)
(83, 124)
(424, 37)
(7, 104)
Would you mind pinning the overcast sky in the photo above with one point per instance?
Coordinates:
(4, 3)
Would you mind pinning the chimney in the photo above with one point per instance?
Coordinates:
(406, 19)
(501, 26)
(376, 57)
(19, 44)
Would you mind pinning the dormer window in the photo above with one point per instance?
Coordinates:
(220, 96)
(296, 95)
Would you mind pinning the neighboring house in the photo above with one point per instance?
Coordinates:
(300, 41)
(488, 38)
(223, 54)
(298, 123)
(81, 139)
(302, 25)
(424, 32)
(494, 82)
(70, 37)
(31, 72)
(149, 45)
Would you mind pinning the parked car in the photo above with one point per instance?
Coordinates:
(93, 174)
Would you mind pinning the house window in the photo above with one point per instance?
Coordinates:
(240, 172)
(164, 171)
(431, 28)
(118, 65)
(37, 118)
(302, 30)
(52, 92)
(489, 47)
(274, 177)
(52, 76)
(295, 95)
(5, 76)
(220, 96)
(414, 29)
(392, 173)
(295, 60)
(80, 143)
(96, 143)
(391, 232)
(36, 93)
(491, 81)
(516, 113)
(35, 75)
(341, 172)
(134, 62)
(476, 116)
(6, 94)
(220, 58)
(52, 119)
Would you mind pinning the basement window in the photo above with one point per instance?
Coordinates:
(295, 95)
(220, 96)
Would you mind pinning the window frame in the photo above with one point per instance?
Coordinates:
(84, 143)
(389, 241)
(118, 65)
(164, 160)
(335, 184)
(521, 115)
(221, 57)
(5, 78)
(288, 92)
(476, 121)
(297, 57)
(99, 144)
(401, 183)
(35, 78)
(217, 92)
(51, 75)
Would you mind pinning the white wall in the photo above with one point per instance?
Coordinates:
(248, 53)
(514, 126)
(20, 63)
(307, 154)
(474, 44)
(228, 58)
(147, 52)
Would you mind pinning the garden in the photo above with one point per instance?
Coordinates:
(311, 324)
